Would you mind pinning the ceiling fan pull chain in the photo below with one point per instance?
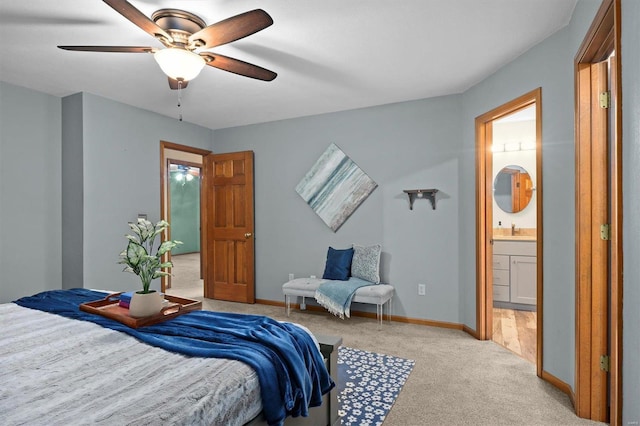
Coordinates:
(179, 100)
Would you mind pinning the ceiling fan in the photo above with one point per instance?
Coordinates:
(186, 38)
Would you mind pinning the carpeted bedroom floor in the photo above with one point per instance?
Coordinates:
(457, 380)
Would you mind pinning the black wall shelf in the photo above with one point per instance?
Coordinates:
(429, 194)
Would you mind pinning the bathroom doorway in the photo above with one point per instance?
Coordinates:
(509, 226)
(513, 146)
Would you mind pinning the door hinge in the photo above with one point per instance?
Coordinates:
(604, 232)
(605, 99)
(604, 363)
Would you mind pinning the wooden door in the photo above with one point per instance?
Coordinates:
(521, 191)
(592, 251)
(599, 263)
(228, 188)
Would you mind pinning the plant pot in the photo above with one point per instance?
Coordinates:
(145, 304)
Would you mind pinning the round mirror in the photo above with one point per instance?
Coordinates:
(512, 189)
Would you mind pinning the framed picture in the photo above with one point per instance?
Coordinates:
(335, 187)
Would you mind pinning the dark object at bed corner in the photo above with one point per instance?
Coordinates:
(327, 413)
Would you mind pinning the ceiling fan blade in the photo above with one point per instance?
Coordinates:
(231, 29)
(117, 49)
(173, 84)
(127, 10)
(237, 66)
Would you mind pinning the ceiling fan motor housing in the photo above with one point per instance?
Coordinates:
(179, 24)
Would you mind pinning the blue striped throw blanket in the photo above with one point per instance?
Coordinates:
(336, 296)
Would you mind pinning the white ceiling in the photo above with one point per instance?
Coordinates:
(330, 55)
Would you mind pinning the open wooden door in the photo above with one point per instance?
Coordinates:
(228, 198)
(599, 263)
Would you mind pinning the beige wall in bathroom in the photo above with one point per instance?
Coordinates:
(505, 132)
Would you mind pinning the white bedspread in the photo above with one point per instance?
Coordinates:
(60, 371)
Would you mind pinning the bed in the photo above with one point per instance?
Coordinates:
(57, 370)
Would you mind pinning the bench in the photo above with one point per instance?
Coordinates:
(376, 294)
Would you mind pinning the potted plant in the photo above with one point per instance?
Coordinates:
(144, 259)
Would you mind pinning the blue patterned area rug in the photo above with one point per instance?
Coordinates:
(368, 385)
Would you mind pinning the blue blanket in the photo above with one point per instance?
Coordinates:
(290, 369)
(336, 296)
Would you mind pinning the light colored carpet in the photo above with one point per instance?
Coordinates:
(457, 380)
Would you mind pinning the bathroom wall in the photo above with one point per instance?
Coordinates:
(524, 134)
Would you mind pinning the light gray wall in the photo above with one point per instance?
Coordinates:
(121, 168)
(409, 145)
(30, 193)
(548, 65)
(72, 191)
(631, 207)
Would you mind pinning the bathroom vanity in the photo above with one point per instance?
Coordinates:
(514, 272)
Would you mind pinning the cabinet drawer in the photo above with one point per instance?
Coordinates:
(501, 293)
(500, 277)
(515, 248)
(500, 262)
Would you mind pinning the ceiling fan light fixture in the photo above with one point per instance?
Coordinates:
(179, 64)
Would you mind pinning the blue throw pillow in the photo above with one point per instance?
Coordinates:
(338, 266)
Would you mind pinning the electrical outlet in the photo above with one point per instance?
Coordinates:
(422, 289)
(291, 277)
(312, 276)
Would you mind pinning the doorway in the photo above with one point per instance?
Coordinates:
(509, 226)
(183, 214)
(184, 159)
(226, 219)
(513, 148)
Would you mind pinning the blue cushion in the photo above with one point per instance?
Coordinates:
(338, 266)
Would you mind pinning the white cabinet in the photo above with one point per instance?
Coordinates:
(501, 278)
(514, 272)
(523, 279)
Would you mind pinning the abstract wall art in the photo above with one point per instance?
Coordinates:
(335, 187)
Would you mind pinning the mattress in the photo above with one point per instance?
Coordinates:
(60, 371)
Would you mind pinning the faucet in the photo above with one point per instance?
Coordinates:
(513, 228)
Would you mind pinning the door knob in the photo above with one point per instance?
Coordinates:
(247, 235)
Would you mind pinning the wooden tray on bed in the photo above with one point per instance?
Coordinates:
(109, 307)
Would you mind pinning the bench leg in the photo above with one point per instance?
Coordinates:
(380, 311)
(287, 303)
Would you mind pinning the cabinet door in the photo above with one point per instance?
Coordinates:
(523, 279)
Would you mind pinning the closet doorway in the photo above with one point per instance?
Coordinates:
(509, 226)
